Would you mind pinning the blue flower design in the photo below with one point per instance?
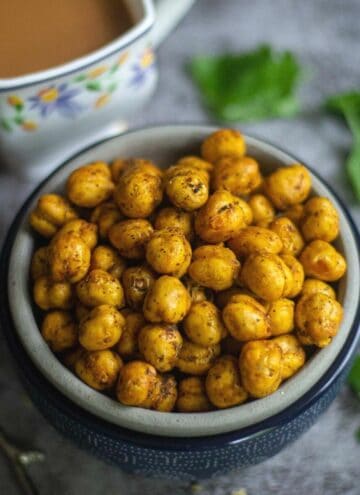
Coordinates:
(142, 68)
(56, 98)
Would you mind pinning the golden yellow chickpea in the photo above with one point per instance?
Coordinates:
(117, 167)
(215, 267)
(69, 258)
(168, 252)
(192, 395)
(317, 319)
(137, 384)
(224, 142)
(105, 216)
(294, 213)
(127, 346)
(223, 297)
(101, 328)
(293, 355)
(297, 271)
(196, 291)
(107, 259)
(121, 164)
(90, 185)
(203, 324)
(51, 212)
(196, 162)
(280, 315)
(165, 394)
(254, 239)
(260, 364)
(292, 241)
(321, 260)
(288, 186)
(313, 286)
(40, 263)
(160, 345)
(246, 318)
(136, 281)
(175, 218)
(167, 300)
(130, 237)
(238, 175)
(99, 369)
(52, 295)
(85, 230)
(262, 210)
(195, 359)
(187, 187)
(320, 220)
(100, 287)
(59, 330)
(220, 218)
(223, 385)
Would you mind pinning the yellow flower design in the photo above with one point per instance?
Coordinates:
(147, 58)
(97, 72)
(15, 101)
(102, 101)
(123, 58)
(29, 125)
(48, 95)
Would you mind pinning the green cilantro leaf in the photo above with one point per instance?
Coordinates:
(248, 86)
(354, 376)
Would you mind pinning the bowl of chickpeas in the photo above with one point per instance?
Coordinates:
(182, 300)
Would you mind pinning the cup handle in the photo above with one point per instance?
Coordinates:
(168, 15)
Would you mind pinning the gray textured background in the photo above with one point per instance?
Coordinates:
(325, 35)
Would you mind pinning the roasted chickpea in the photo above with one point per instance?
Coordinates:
(297, 271)
(167, 301)
(175, 218)
(105, 216)
(187, 187)
(197, 292)
(293, 355)
(59, 331)
(320, 220)
(262, 210)
(52, 295)
(101, 328)
(223, 385)
(137, 384)
(313, 286)
(317, 319)
(321, 260)
(220, 218)
(100, 287)
(85, 230)
(196, 163)
(39, 263)
(238, 175)
(203, 324)
(288, 186)
(294, 213)
(130, 237)
(223, 297)
(292, 241)
(246, 318)
(69, 258)
(98, 369)
(127, 346)
(254, 239)
(90, 185)
(165, 394)
(117, 167)
(106, 258)
(215, 267)
(260, 364)
(280, 315)
(160, 345)
(121, 164)
(169, 252)
(136, 282)
(224, 142)
(51, 212)
(192, 395)
(195, 359)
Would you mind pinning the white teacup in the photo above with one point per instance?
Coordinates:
(46, 114)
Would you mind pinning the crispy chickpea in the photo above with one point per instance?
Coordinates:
(85, 230)
(98, 369)
(165, 394)
(192, 395)
(246, 318)
(196, 162)
(297, 271)
(186, 187)
(127, 346)
(69, 258)
(130, 236)
(121, 164)
(292, 241)
(101, 328)
(175, 218)
(40, 263)
(137, 384)
(288, 186)
(293, 355)
(238, 175)
(195, 359)
(254, 239)
(117, 167)
(52, 295)
(203, 324)
(294, 213)
(100, 287)
(223, 385)
(317, 319)
(90, 185)
(196, 291)
(262, 210)
(138, 192)
(320, 220)
(105, 216)
(106, 258)
(167, 300)
(313, 286)
(280, 315)
(215, 267)
(160, 345)
(224, 142)
(169, 252)
(136, 282)
(51, 212)
(260, 364)
(59, 331)
(321, 260)
(220, 218)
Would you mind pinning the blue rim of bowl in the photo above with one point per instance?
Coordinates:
(153, 441)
